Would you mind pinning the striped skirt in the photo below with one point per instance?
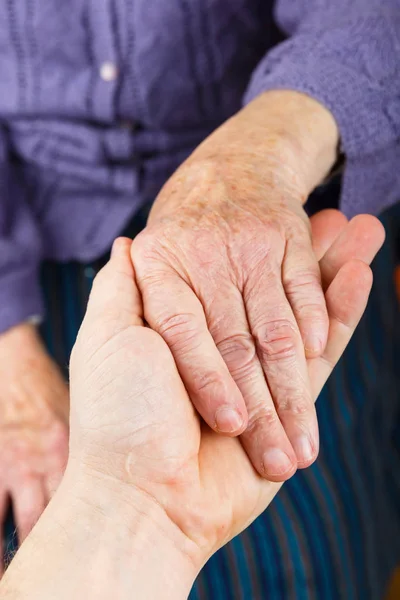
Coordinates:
(333, 532)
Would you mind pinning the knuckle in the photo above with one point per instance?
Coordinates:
(302, 282)
(148, 247)
(295, 403)
(144, 240)
(261, 416)
(277, 340)
(208, 383)
(312, 316)
(238, 351)
(298, 226)
(179, 331)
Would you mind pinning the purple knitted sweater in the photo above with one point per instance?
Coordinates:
(100, 101)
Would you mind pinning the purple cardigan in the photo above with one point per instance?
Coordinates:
(100, 101)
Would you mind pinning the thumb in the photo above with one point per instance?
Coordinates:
(115, 302)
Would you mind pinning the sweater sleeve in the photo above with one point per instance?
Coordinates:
(20, 249)
(346, 54)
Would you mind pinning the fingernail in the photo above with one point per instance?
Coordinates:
(313, 345)
(228, 420)
(303, 449)
(276, 462)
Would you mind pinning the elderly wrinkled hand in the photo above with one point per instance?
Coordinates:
(229, 278)
(34, 407)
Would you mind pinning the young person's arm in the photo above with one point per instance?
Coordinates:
(91, 542)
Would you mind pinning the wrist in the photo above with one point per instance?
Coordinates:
(94, 541)
(282, 132)
(145, 551)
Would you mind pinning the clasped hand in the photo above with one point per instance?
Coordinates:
(132, 418)
(151, 491)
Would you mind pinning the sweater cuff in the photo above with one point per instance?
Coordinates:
(20, 299)
(363, 112)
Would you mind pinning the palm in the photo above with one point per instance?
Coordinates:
(131, 414)
(156, 438)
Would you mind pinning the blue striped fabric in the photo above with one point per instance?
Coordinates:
(333, 533)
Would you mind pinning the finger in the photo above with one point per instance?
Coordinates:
(346, 301)
(28, 500)
(346, 297)
(360, 240)
(281, 353)
(326, 226)
(349, 287)
(264, 439)
(302, 283)
(114, 303)
(348, 293)
(179, 318)
(114, 297)
(173, 310)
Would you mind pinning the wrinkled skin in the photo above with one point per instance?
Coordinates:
(34, 406)
(229, 278)
(133, 426)
(210, 271)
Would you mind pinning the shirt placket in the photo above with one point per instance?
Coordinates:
(105, 58)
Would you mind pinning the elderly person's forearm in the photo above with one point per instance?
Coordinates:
(229, 235)
(282, 125)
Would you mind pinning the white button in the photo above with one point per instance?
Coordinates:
(108, 71)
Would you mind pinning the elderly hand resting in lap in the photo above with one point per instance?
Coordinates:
(150, 491)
